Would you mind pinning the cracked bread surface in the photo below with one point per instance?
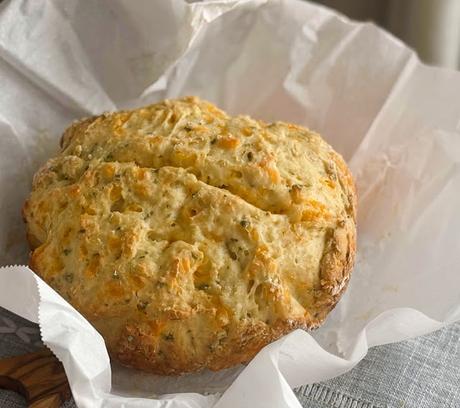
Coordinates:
(189, 238)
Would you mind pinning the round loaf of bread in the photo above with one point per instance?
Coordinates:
(189, 238)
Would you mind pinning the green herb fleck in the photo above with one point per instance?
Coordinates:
(245, 223)
(68, 277)
(67, 251)
(169, 337)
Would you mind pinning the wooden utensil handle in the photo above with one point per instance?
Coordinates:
(39, 377)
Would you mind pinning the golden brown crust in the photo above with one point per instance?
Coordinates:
(192, 239)
(340, 250)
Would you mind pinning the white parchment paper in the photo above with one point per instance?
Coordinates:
(395, 121)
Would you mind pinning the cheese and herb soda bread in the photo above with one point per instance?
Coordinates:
(189, 238)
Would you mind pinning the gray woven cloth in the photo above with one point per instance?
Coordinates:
(419, 373)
